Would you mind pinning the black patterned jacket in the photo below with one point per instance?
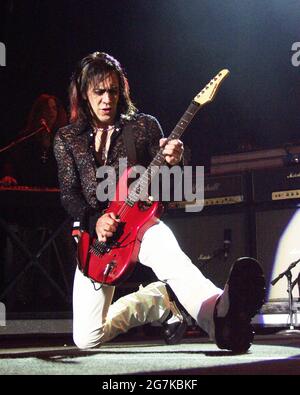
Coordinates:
(77, 167)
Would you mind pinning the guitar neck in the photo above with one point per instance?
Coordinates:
(178, 131)
(152, 170)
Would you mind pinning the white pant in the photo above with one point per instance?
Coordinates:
(96, 320)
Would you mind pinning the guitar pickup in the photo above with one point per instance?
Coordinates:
(100, 247)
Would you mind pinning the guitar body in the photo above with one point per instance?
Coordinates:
(112, 262)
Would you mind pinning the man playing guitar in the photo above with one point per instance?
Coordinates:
(101, 109)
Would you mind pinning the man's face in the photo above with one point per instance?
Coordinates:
(103, 99)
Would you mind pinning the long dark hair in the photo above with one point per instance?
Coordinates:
(92, 69)
(36, 113)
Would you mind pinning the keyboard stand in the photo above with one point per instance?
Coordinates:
(48, 239)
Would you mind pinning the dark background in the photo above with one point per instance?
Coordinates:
(170, 50)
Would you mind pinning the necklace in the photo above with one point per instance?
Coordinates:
(106, 129)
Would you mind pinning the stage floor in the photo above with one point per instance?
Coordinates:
(270, 354)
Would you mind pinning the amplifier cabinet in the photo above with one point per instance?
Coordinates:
(276, 184)
(221, 191)
(201, 236)
(224, 221)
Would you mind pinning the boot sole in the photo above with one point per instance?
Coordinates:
(246, 296)
(246, 288)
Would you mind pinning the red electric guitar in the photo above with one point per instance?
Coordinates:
(111, 262)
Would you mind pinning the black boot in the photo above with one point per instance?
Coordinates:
(246, 293)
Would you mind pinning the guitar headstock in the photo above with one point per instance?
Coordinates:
(209, 92)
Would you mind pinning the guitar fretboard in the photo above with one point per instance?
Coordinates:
(146, 178)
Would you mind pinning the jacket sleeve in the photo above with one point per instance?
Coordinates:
(72, 198)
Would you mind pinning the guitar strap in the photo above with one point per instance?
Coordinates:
(128, 138)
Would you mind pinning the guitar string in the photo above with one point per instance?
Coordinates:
(125, 208)
(182, 124)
